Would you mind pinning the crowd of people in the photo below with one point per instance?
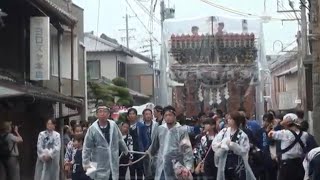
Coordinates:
(162, 145)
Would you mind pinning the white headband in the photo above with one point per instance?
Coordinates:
(102, 107)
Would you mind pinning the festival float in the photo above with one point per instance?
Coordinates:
(218, 68)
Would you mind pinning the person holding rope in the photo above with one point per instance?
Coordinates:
(139, 137)
(150, 129)
(124, 128)
(172, 145)
(101, 146)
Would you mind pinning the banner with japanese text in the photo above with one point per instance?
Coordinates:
(39, 48)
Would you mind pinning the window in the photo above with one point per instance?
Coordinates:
(93, 69)
(282, 84)
(121, 69)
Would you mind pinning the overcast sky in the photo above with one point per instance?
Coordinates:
(112, 12)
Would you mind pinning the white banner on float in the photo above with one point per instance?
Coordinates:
(39, 48)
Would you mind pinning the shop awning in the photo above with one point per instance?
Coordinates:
(8, 92)
(11, 89)
(289, 71)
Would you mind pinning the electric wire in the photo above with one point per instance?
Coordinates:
(287, 14)
(151, 17)
(303, 4)
(147, 11)
(145, 27)
(225, 9)
(142, 6)
(154, 6)
(283, 49)
(292, 7)
(235, 11)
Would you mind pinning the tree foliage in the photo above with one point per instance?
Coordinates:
(119, 81)
(111, 94)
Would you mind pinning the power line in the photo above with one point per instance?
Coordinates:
(225, 9)
(155, 5)
(141, 21)
(287, 14)
(291, 5)
(234, 11)
(145, 9)
(151, 16)
(303, 4)
(287, 46)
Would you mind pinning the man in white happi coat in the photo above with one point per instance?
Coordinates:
(172, 145)
(101, 146)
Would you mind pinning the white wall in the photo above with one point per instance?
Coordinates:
(292, 82)
(65, 57)
(108, 62)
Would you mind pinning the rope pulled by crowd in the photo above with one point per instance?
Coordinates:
(136, 161)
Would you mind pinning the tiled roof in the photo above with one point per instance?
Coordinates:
(51, 7)
(97, 44)
(278, 61)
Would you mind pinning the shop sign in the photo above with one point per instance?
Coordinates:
(39, 48)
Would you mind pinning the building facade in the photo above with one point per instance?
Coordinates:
(50, 33)
(106, 58)
(284, 81)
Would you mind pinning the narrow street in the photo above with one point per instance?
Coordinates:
(159, 90)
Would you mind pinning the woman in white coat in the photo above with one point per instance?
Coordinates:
(231, 147)
(48, 150)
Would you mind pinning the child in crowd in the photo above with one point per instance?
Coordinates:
(124, 128)
(71, 150)
(78, 172)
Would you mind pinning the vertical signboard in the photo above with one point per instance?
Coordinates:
(39, 48)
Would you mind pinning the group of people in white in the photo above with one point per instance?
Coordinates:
(161, 148)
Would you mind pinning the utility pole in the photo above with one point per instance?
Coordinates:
(163, 95)
(127, 30)
(315, 37)
(303, 56)
(155, 84)
(151, 49)
(302, 49)
(128, 37)
(155, 72)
